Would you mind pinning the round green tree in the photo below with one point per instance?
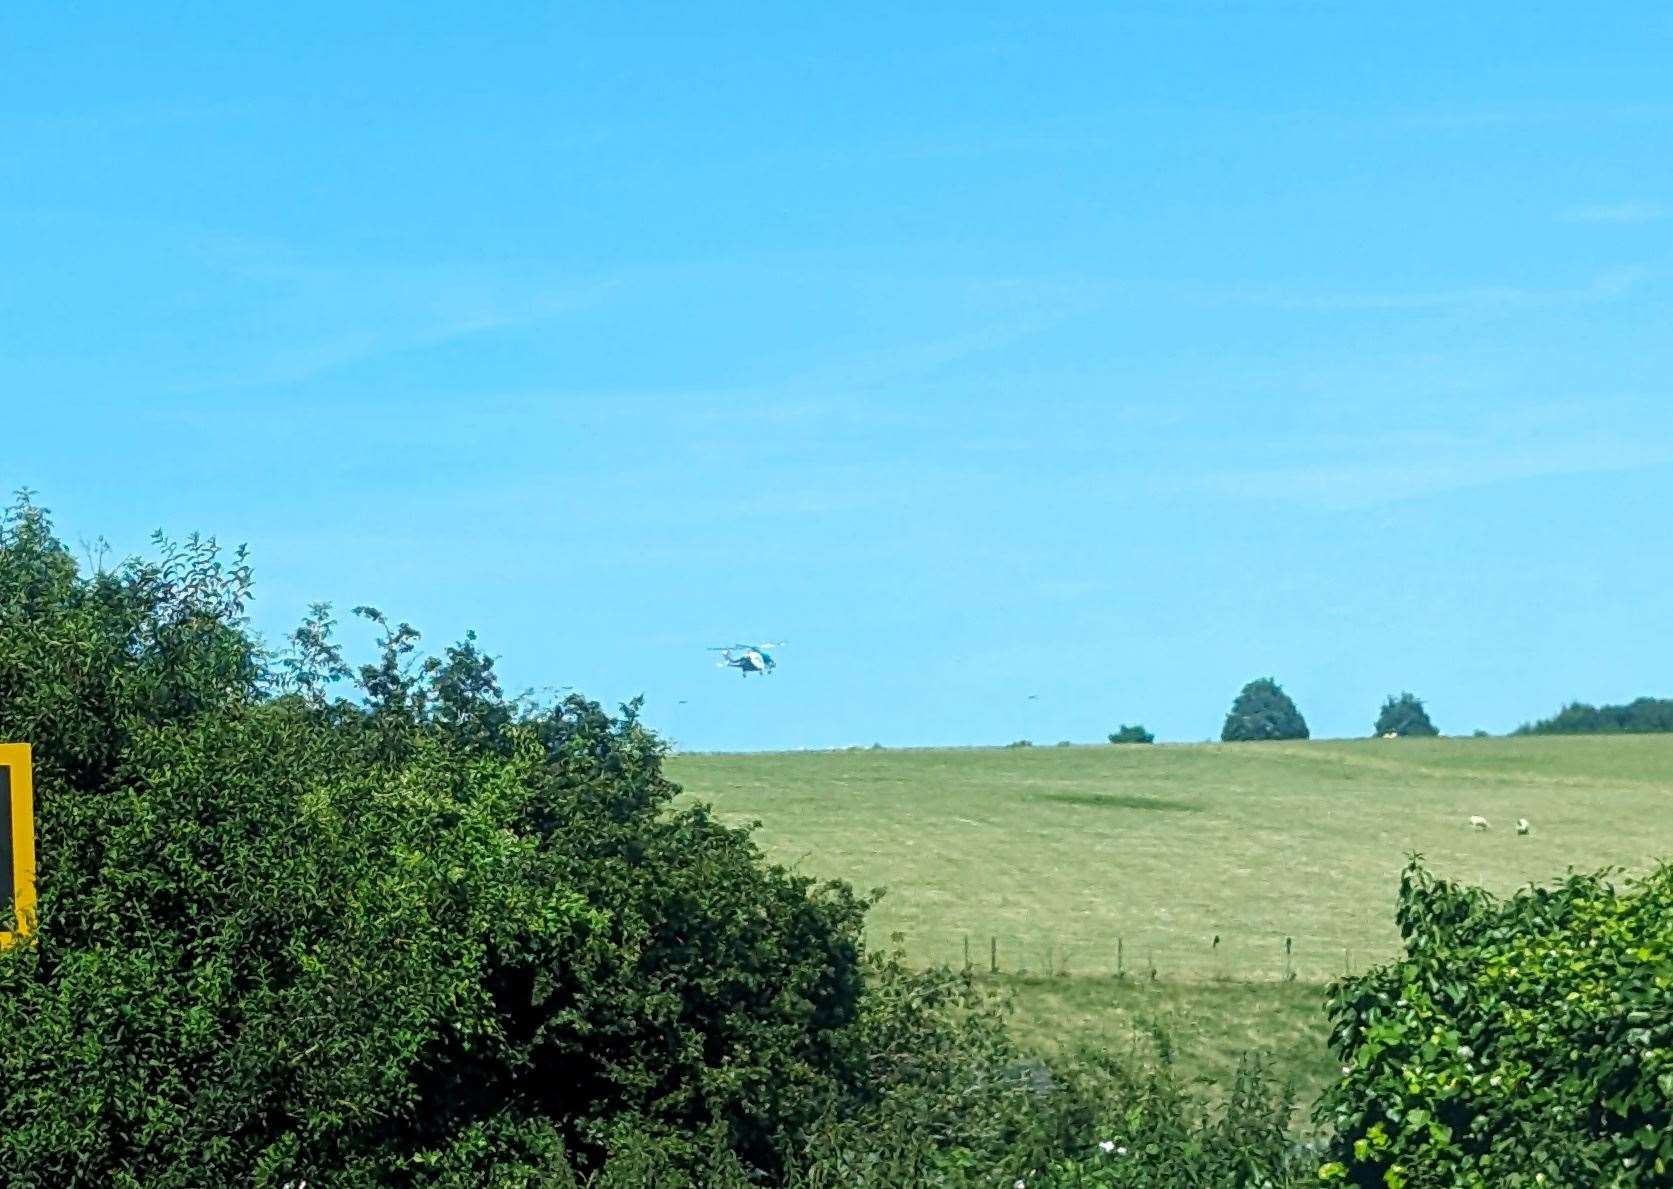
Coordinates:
(1404, 715)
(1263, 711)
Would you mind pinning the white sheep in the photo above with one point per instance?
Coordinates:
(1522, 826)
(1477, 822)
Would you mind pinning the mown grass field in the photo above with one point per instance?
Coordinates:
(1050, 855)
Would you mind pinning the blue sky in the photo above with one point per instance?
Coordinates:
(1114, 354)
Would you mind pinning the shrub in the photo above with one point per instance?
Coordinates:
(1151, 1133)
(420, 934)
(1133, 734)
(1518, 1042)
(379, 924)
(1404, 715)
(1640, 716)
(1263, 711)
(1020, 743)
(994, 1117)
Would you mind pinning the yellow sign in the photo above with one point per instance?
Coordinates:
(17, 843)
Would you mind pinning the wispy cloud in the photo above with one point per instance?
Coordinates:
(322, 315)
(1605, 286)
(1488, 117)
(1618, 212)
(1404, 468)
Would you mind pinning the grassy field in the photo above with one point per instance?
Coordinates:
(1057, 852)
(1048, 856)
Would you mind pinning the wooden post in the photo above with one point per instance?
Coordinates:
(993, 955)
(967, 953)
(1120, 969)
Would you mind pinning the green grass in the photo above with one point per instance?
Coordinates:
(1212, 1026)
(1050, 855)
(1057, 852)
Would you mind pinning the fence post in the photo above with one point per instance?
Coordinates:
(967, 953)
(1289, 971)
(1120, 968)
(993, 955)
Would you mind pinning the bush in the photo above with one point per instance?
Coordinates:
(1640, 716)
(1020, 743)
(1263, 711)
(383, 925)
(977, 1112)
(420, 934)
(1404, 715)
(1133, 734)
(1153, 1134)
(1518, 1042)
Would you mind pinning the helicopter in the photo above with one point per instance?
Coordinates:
(749, 658)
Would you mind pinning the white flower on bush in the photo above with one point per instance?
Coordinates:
(1108, 1146)
(1021, 1184)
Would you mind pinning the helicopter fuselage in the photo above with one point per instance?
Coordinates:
(746, 660)
(749, 662)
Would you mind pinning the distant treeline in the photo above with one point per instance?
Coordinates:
(1642, 716)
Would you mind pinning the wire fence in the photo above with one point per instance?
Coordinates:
(1142, 957)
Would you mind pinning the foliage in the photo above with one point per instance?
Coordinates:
(1154, 1134)
(1020, 743)
(1404, 715)
(1262, 710)
(1518, 1042)
(1640, 716)
(989, 1116)
(380, 924)
(284, 933)
(1132, 734)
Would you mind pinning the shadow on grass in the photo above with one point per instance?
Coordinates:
(1118, 801)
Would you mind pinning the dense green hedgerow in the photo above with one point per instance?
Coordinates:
(1518, 1043)
(1131, 734)
(1640, 716)
(283, 933)
(382, 925)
